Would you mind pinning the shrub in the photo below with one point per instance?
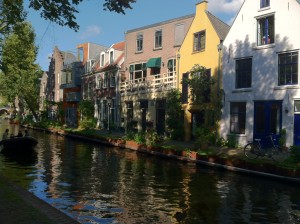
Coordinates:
(295, 153)
(88, 123)
(140, 137)
(231, 141)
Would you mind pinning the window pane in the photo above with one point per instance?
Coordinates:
(237, 118)
(288, 68)
(243, 73)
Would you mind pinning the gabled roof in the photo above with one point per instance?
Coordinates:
(220, 27)
(119, 46)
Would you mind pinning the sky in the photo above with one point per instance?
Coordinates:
(106, 28)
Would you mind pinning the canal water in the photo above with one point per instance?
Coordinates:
(94, 183)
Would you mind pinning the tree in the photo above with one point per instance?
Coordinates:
(19, 78)
(173, 110)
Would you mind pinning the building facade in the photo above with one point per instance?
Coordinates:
(261, 72)
(150, 72)
(200, 47)
(107, 75)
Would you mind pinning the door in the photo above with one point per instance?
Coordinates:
(297, 129)
(267, 119)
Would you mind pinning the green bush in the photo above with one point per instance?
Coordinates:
(88, 123)
(295, 153)
(231, 141)
(140, 137)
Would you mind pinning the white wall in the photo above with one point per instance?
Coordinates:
(241, 42)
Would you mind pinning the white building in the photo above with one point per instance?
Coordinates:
(261, 72)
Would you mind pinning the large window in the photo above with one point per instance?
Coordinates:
(139, 42)
(158, 39)
(199, 41)
(243, 71)
(138, 71)
(98, 81)
(105, 80)
(112, 79)
(288, 68)
(102, 59)
(264, 3)
(265, 30)
(171, 67)
(237, 117)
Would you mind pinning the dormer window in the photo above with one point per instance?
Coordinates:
(102, 59)
(264, 3)
(111, 57)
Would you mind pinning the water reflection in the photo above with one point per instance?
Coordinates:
(99, 184)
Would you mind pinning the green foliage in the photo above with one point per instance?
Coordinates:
(295, 153)
(282, 138)
(203, 137)
(86, 108)
(174, 120)
(20, 74)
(152, 138)
(200, 84)
(140, 138)
(232, 141)
(88, 123)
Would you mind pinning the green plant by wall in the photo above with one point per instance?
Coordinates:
(295, 153)
(174, 119)
(282, 138)
(140, 138)
(86, 109)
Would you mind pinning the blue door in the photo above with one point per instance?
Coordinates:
(297, 129)
(267, 119)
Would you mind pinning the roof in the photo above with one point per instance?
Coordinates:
(119, 46)
(220, 27)
(160, 23)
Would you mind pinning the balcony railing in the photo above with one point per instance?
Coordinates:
(153, 83)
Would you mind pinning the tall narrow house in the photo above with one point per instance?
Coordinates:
(201, 48)
(261, 72)
(150, 72)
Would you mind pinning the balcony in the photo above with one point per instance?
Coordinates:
(151, 84)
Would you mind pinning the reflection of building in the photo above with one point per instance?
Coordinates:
(199, 48)
(150, 71)
(261, 75)
(43, 85)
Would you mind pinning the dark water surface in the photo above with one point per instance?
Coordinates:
(98, 184)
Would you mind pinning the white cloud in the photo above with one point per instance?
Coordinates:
(90, 31)
(224, 6)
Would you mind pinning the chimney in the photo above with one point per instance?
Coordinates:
(201, 6)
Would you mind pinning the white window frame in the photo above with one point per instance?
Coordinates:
(158, 35)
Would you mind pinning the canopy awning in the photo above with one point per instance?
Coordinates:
(154, 63)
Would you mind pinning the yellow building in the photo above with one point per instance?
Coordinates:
(201, 46)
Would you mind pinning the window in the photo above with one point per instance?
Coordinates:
(105, 81)
(243, 71)
(171, 67)
(199, 41)
(179, 34)
(98, 82)
(265, 30)
(297, 106)
(102, 60)
(139, 42)
(158, 39)
(111, 57)
(237, 118)
(113, 79)
(138, 71)
(288, 68)
(264, 3)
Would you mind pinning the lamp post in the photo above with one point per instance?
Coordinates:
(219, 47)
